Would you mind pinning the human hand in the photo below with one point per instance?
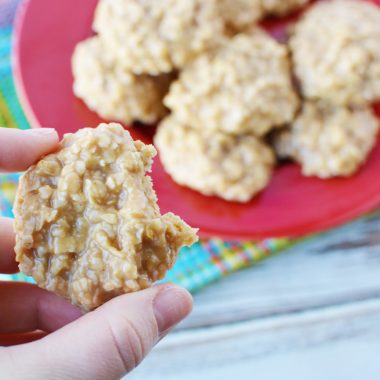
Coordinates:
(57, 341)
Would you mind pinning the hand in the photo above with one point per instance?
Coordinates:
(62, 344)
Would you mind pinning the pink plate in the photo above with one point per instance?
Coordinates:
(46, 33)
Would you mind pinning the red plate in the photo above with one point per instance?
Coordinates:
(46, 33)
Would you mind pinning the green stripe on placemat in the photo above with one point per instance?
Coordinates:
(10, 106)
(11, 113)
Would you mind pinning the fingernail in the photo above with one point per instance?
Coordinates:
(41, 131)
(171, 305)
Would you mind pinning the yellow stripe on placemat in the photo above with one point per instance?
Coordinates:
(5, 116)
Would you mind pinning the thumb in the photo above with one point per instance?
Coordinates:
(106, 343)
(20, 149)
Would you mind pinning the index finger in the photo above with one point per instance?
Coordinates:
(21, 149)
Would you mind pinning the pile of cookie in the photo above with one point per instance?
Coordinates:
(336, 57)
(223, 88)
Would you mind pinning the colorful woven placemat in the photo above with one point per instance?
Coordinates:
(196, 267)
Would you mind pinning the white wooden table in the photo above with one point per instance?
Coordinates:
(310, 313)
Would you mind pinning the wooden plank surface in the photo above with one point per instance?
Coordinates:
(312, 312)
(323, 344)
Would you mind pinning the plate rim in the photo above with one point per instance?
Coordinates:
(16, 64)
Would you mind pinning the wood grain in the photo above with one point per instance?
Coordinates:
(332, 341)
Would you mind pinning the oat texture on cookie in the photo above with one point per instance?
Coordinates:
(329, 141)
(87, 224)
(159, 36)
(336, 52)
(281, 7)
(234, 168)
(241, 14)
(242, 87)
(113, 92)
